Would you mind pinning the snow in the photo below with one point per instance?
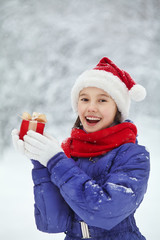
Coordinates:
(148, 213)
(16, 208)
(17, 200)
(133, 179)
(120, 188)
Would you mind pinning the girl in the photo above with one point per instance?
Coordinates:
(92, 186)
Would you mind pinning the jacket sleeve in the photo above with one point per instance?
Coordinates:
(52, 213)
(120, 193)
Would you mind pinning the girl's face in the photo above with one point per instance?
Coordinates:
(96, 109)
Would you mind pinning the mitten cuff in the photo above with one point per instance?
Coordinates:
(36, 164)
(59, 167)
(40, 173)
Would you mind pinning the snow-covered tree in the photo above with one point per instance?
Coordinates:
(45, 45)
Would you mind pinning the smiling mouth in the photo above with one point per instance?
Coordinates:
(93, 120)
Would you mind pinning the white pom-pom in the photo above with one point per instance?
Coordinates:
(137, 93)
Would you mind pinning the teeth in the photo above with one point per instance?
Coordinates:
(93, 118)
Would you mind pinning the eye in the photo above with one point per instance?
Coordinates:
(84, 99)
(102, 100)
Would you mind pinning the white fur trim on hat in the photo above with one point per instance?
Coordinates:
(106, 81)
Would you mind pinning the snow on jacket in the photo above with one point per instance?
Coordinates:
(104, 193)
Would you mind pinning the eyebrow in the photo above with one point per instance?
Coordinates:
(99, 95)
(104, 95)
(82, 94)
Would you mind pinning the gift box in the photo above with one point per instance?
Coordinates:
(36, 122)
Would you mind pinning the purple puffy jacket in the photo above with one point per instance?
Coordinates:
(92, 199)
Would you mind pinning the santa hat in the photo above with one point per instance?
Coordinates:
(116, 82)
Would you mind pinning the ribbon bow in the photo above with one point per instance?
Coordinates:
(39, 117)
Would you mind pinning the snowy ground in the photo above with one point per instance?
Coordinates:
(16, 195)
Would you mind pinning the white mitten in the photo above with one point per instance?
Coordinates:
(40, 147)
(17, 143)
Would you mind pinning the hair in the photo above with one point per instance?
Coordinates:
(117, 120)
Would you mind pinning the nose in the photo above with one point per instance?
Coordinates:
(92, 107)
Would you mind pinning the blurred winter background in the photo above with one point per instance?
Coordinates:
(44, 46)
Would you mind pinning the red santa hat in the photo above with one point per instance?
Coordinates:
(116, 82)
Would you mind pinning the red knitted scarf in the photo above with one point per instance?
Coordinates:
(82, 144)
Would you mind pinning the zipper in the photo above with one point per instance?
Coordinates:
(93, 160)
(85, 230)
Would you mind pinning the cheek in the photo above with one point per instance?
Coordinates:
(113, 109)
(80, 109)
(111, 112)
